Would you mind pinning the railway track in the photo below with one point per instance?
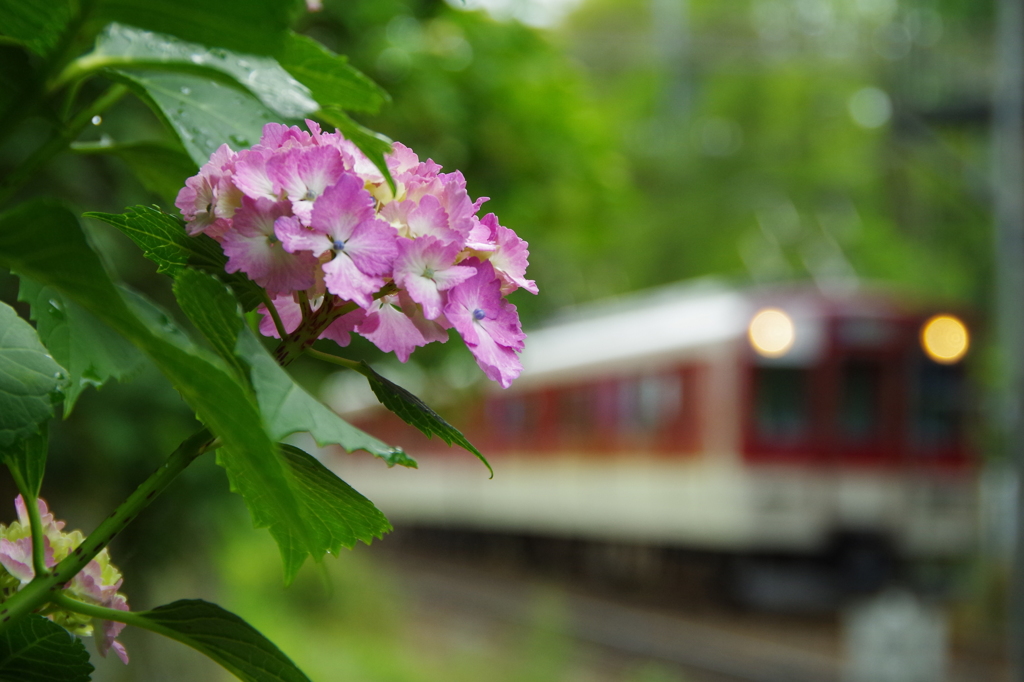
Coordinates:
(707, 648)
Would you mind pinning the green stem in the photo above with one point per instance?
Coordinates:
(296, 343)
(274, 315)
(94, 611)
(35, 522)
(44, 587)
(56, 144)
(304, 305)
(334, 359)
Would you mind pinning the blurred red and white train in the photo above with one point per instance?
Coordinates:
(713, 418)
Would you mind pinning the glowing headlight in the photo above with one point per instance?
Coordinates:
(771, 333)
(945, 339)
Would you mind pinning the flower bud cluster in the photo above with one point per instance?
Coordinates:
(98, 583)
(307, 212)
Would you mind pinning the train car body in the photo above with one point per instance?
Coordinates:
(664, 419)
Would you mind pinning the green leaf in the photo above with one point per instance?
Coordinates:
(374, 145)
(35, 649)
(243, 25)
(338, 514)
(65, 261)
(27, 461)
(414, 411)
(203, 113)
(331, 79)
(37, 25)
(91, 351)
(30, 379)
(287, 408)
(163, 240)
(224, 637)
(210, 306)
(129, 47)
(161, 168)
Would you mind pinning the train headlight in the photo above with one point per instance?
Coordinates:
(945, 339)
(771, 333)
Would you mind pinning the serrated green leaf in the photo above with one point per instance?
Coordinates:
(163, 240)
(161, 168)
(331, 79)
(374, 145)
(29, 379)
(415, 412)
(27, 461)
(210, 306)
(338, 514)
(35, 649)
(203, 113)
(244, 25)
(121, 46)
(37, 25)
(65, 261)
(89, 350)
(223, 637)
(287, 408)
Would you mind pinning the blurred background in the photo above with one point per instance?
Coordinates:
(675, 498)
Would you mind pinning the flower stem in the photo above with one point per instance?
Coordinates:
(335, 359)
(46, 587)
(274, 315)
(95, 611)
(30, 497)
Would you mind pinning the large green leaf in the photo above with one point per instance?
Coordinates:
(129, 47)
(225, 638)
(203, 113)
(338, 514)
(163, 240)
(287, 408)
(37, 25)
(27, 461)
(414, 411)
(30, 379)
(91, 351)
(64, 260)
(257, 26)
(36, 649)
(210, 306)
(161, 168)
(331, 79)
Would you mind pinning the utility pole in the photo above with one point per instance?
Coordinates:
(1008, 195)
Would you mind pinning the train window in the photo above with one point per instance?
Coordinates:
(647, 404)
(859, 409)
(515, 418)
(938, 407)
(576, 415)
(781, 405)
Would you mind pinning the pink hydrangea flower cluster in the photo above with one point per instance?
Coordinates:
(98, 583)
(308, 212)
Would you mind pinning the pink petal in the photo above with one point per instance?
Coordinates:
(390, 330)
(251, 175)
(287, 309)
(341, 207)
(340, 330)
(294, 237)
(344, 279)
